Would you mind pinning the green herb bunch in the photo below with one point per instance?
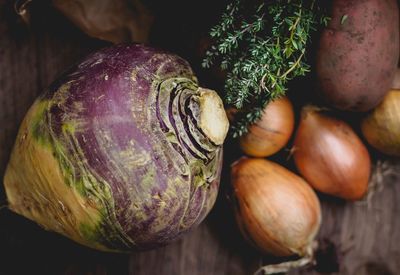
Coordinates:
(261, 45)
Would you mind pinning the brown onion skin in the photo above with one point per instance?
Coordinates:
(381, 127)
(276, 210)
(330, 156)
(272, 132)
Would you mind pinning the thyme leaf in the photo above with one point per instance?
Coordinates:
(262, 46)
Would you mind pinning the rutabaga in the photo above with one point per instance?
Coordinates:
(123, 152)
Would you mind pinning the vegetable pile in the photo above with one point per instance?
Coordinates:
(356, 59)
(122, 152)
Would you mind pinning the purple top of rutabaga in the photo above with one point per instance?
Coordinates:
(118, 114)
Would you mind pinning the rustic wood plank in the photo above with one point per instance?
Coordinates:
(355, 238)
(364, 236)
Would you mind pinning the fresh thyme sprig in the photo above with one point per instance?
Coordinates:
(261, 45)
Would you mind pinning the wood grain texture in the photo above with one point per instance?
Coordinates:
(355, 238)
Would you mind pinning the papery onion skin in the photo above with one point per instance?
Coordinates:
(381, 127)
(272, 132)
(330, 156)
(276, 210)
(112, 156)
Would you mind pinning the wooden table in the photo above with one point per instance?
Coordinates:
(355, 238)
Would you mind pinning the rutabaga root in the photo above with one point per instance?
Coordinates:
(122, 152)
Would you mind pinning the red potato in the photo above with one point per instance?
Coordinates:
(358, 53)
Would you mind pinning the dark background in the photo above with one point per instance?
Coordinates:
(355, 238)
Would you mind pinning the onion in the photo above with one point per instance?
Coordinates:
(276, 211)
(381, 127)
(272, 132)
(330, 155)
(116, 21)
